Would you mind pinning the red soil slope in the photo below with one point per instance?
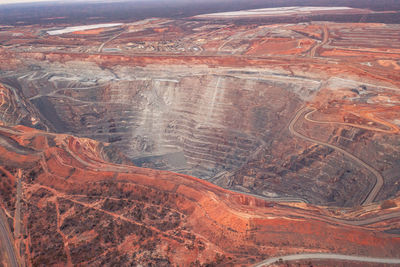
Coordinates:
(94, 212)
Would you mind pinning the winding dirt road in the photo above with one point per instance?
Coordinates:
(326, 256)
(273, 199)
(100, 49)
(124, 169)
(391, 129)
(379, 178)
(367, 221)
(324, 41)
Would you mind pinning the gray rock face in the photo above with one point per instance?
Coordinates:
(225, 125)
(199, 121)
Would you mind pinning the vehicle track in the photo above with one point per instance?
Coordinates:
(379, 178)
(391, 128)
(122, 168)
(6, 239)
(100, 49)
(273, 199)
(17, 218)
(324, 41)
(327, 256)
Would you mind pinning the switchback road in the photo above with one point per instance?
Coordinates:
(379, 178)
(391, 129)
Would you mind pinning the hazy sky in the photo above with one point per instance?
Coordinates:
(25, 1)
(69, 1)
(35, 1)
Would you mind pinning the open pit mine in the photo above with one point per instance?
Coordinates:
(244, 138)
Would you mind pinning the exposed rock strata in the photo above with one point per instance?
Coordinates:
(92, 212)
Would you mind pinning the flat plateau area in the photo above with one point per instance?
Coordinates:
(285, 11)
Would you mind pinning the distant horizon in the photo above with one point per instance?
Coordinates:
(9, 2)
(80, 12)
(3, 2)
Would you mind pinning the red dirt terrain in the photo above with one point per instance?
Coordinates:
(201, 141)
(88, 211)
